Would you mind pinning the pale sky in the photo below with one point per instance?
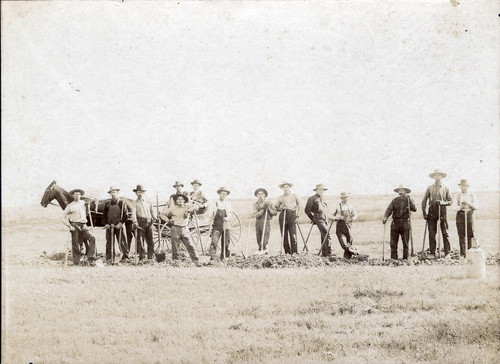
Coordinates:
(360, 96)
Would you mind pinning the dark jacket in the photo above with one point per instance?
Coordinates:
(316, 207)
(124, 212)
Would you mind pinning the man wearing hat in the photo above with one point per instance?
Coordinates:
(142, 219)
(345, 215)
(219, 212)
(467, 203)
(400, 208)
(114, 216)
(438, 197)
(198, 198)
(75, 218)
(289, 205)
(316, 210)
(263, 211)
(178, 190)
(178, 216)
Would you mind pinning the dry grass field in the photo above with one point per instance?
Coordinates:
(339, 314)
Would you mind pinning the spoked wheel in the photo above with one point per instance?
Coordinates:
(234, 225)
(161, 238)
(198, 229)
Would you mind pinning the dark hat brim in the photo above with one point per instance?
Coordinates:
(402, 188)
(114, 189)
(196, 183)
(175, 197)
(135, 190)
(82, 192)
(259, 190)
(223, 190)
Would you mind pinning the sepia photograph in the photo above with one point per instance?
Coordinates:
(250, 182)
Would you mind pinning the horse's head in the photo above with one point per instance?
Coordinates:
(49, 194)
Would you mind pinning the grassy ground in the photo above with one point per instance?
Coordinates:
(349, 314)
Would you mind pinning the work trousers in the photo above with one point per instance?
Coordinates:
(78, 236)
(224, 236)
(461, 229)
(400, 227)
(289, 229)
(178, 234)
(260, 230)
(123, 246)
(145, 234)
(432, 235)
(322, 225)
(343, 232)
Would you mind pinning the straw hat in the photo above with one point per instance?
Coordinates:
(464, 182)
(113, 189)
(437, 171)
(223, 189)
(401, 187)
(344, 194)
(260, 190)
(320, 186)
(285, 183)
(139, 188)
(82, 192)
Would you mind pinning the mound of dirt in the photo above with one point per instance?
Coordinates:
(288, 261)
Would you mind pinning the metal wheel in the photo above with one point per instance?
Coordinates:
(200, 234)
(234, 225)
(162, 238)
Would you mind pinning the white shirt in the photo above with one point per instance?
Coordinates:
(75, 212)
(468, 197)
(218, 204)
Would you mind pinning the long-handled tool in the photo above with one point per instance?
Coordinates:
(326, 237)
(411, 232)
(383, 244)
(263, 231)
(283, 232)
(308, 235)
(466, 235)
(306, 248)
(423, 242)
(92, 227)
(197, 226)
(66, 248)
(112, 231)
(439, 230)
(120, 232)
(248, 239)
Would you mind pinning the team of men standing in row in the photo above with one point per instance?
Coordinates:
(182, 205)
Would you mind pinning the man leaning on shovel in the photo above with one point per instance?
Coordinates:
(400, 208)
(289, 206)
(316, 210)
(439, 197)
(263, 211)
(467, 203)
(345, 215)
(114, 216)
(75, 218)
(142, 219)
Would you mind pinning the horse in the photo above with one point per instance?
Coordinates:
(53, 191)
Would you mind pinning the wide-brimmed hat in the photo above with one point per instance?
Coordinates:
(401, 187)
(177, 195)
(139, 188)
(285, 183)
(259, 190)
(437, 171)
(464, 182)
(82, 192)
(196, 182)
(113, 189)
(178, 183)
(345, 194)
(320, 186)
(223, 189)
